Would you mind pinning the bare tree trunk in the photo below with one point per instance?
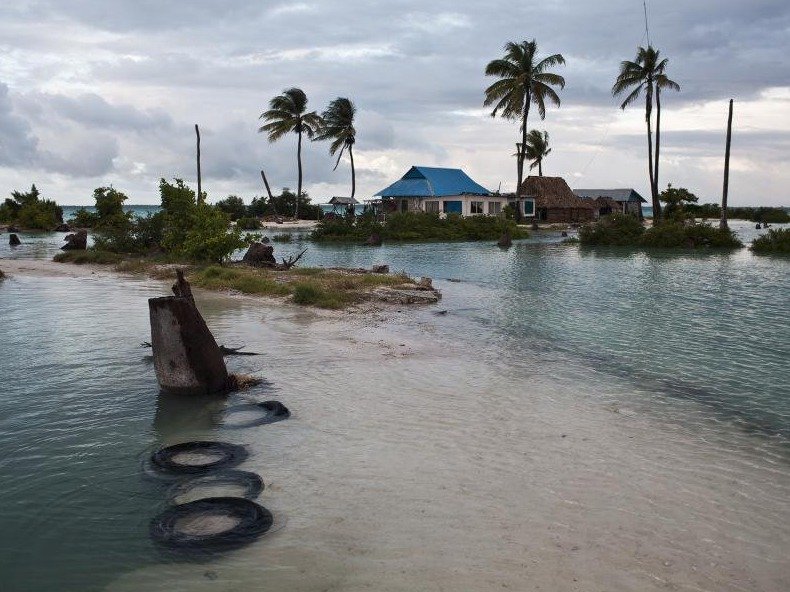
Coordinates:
(540, 167)
(299, 186)
(522, 151)
(353, 172)
(200, 186)
(723, 222)
(187, 359)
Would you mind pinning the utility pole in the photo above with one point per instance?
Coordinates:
(723, 222)
(200, 189)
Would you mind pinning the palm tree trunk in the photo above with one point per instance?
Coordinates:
(653, 194)
(299, 183)
(353, 172)
(723, 222)
(658, 136)
(522, 155)
(540, 168)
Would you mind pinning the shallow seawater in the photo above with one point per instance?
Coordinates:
(598, 419)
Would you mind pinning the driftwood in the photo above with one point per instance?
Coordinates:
(226, 351)
(187, 359)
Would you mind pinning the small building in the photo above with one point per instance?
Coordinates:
(442, 191)
(628, 200)
(550, 199)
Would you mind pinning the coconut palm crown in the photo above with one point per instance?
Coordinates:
(524, 80)
(338, 126)
(288, 113)
(646, 74)
(537, 149)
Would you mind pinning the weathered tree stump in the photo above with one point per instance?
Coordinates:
(187, 359)
(259, 254)
(505, 241)
(13, 240)
(76, 242)
(381, 268)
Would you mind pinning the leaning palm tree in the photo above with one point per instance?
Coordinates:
(523, 80)
(288, 113)
(537, 149)
(338, 126)
(645, 74)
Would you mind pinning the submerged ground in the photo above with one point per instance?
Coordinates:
(578, 420)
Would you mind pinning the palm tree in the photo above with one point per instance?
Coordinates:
(523, 80)
(338, 126)
(288, 113)
(646, 74)
(537, 149)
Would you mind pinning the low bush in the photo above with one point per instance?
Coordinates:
(248, 223)
(775, 241)
(626, 230)
(286, 237)
(27, 210)
(88, 256)
(417, 227)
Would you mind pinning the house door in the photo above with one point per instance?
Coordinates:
(453, 207)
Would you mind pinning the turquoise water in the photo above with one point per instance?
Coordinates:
(690, 339)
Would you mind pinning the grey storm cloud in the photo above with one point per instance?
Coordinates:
(112, 87)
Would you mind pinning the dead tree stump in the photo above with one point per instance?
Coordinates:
(76, 242)
(505, 241)
(13, 240)
(187, 359)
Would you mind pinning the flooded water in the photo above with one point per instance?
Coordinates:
(578, 419)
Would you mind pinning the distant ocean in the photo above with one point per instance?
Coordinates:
(138, 210)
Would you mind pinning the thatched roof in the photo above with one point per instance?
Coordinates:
(343, 201)
(552, 192)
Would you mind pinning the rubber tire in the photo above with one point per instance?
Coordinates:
(274, 412)
(255, 520)
(251, 481)
(232, 455)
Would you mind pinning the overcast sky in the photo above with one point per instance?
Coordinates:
(98, 92)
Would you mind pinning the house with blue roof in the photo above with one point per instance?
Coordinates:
(441, 191)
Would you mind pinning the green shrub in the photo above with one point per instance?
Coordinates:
(313, 294)
(614, 230)
(29, 211)
(285, 237)
(416, 227)
(208, 237)
(233, 206)
(775, 241)
(248, 223)
(84, 219)
(88, 256)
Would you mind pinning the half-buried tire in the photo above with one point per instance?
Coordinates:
(211, 523)
(196, 458)
(249, 415)
(221, 483)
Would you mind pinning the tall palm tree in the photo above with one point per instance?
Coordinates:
(523, 80)
(537, 149)
(288, 113)
(338, 126)
(646, 74)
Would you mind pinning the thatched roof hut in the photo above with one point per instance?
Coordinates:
(555, 202)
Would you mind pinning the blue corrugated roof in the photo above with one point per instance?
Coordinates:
(422, 181)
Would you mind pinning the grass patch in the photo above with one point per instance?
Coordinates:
(774, 242)
(88, 256)
(247, 281)
(285, 237)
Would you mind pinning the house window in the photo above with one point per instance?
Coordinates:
(432, 207)
(529, 207)
(494, 208)
(477, 207)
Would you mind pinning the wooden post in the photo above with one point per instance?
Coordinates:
(200, 187)
(187, 359)
(723, 223)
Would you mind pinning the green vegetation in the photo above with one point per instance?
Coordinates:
(288, 113)
(248, 223)
(30, 212)
(89, 256)
(537, 149)
(647, 73)
(416, 227)
(233, 206)
(309, 286)
(775, 215)
(337, 124)
(523, 80)
(283, 205)
(677, 200)
(285, 237)
(775, 241)
(625, 230)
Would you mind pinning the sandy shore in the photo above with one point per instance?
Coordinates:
(290, 225)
